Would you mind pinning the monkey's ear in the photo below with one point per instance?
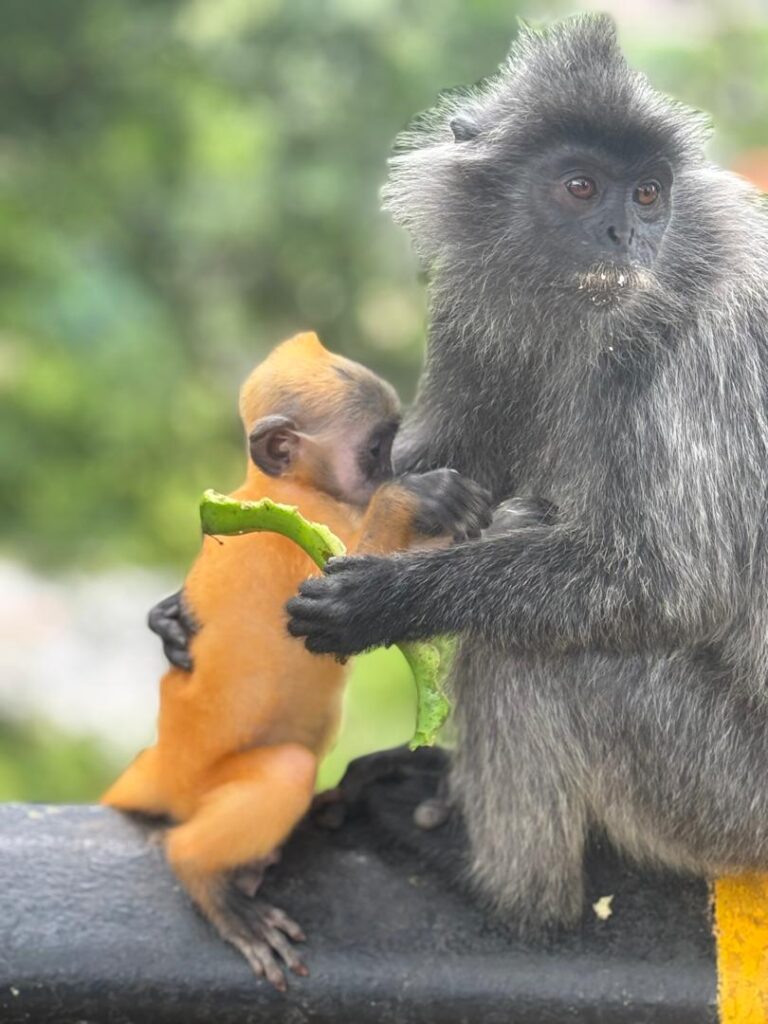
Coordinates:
(274, 444)
(464, 129)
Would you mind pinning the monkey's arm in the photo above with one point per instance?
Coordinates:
(421, 506)
(536, 588)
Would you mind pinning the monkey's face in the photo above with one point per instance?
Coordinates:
(361, 459)
(344, 457)
(550, 183)
(599, 219)
(334, 436)
(348, 457)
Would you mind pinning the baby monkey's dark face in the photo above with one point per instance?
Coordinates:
(359, 452)
(361, 460)
(602, 217)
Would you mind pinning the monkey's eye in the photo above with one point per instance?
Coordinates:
(647, 193)
(581, 188)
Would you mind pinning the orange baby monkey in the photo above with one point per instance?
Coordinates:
(239, 739)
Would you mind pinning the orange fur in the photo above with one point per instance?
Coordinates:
(239, 739)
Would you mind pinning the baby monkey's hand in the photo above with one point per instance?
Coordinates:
(448, 504)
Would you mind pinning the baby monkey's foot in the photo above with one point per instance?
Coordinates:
(262, 933)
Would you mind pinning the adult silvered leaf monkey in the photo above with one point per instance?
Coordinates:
(598, 338)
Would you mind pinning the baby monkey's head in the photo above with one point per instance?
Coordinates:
(320, 419)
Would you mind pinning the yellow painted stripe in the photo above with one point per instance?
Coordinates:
(741, 921)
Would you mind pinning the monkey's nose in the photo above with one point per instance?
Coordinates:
(621, 237)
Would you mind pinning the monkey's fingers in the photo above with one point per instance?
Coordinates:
(319, 602)
(280, 919)
(258, 931)
(450, 504)
(340, 613)
(178, 656)
(175, 626)
(187, 619)
(476, 513)
(323, 634)
(269, 927)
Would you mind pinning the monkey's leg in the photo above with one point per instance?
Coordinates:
(256, 799)
(683, 778)
(519, 779)
(139, 788)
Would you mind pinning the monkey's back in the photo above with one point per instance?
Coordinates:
(252, 684)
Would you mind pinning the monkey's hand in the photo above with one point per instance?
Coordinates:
(175, 625)
(448, 504)
(347, 610)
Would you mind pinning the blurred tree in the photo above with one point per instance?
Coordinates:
(183, 183)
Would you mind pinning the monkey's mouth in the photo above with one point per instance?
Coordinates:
(605, 284)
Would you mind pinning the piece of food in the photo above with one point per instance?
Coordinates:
(429, 661)
(603, 908)
(224, 516)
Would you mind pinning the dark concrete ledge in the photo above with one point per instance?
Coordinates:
(93, 929)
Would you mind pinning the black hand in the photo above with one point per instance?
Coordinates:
(175, 625)
(350, 609)
(449, 503)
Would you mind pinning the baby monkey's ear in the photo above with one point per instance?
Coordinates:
(274, 444)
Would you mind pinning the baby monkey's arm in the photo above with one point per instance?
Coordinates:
(423, 506)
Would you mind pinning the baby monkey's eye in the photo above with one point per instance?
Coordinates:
(581, 188)
(647, 193)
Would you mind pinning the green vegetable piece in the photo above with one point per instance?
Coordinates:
(429, 661)
(224, 516)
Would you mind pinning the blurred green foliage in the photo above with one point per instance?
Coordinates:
(41, 763)
(182, 184)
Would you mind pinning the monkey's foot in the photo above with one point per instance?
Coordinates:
(331, 808)
(263, 934)
(435, 810)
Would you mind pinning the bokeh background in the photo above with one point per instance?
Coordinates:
(182, 184)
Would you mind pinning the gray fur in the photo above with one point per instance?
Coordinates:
(614, 673)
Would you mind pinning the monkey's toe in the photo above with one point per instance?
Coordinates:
(262, 933)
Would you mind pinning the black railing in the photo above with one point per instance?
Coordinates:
(94, 929)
